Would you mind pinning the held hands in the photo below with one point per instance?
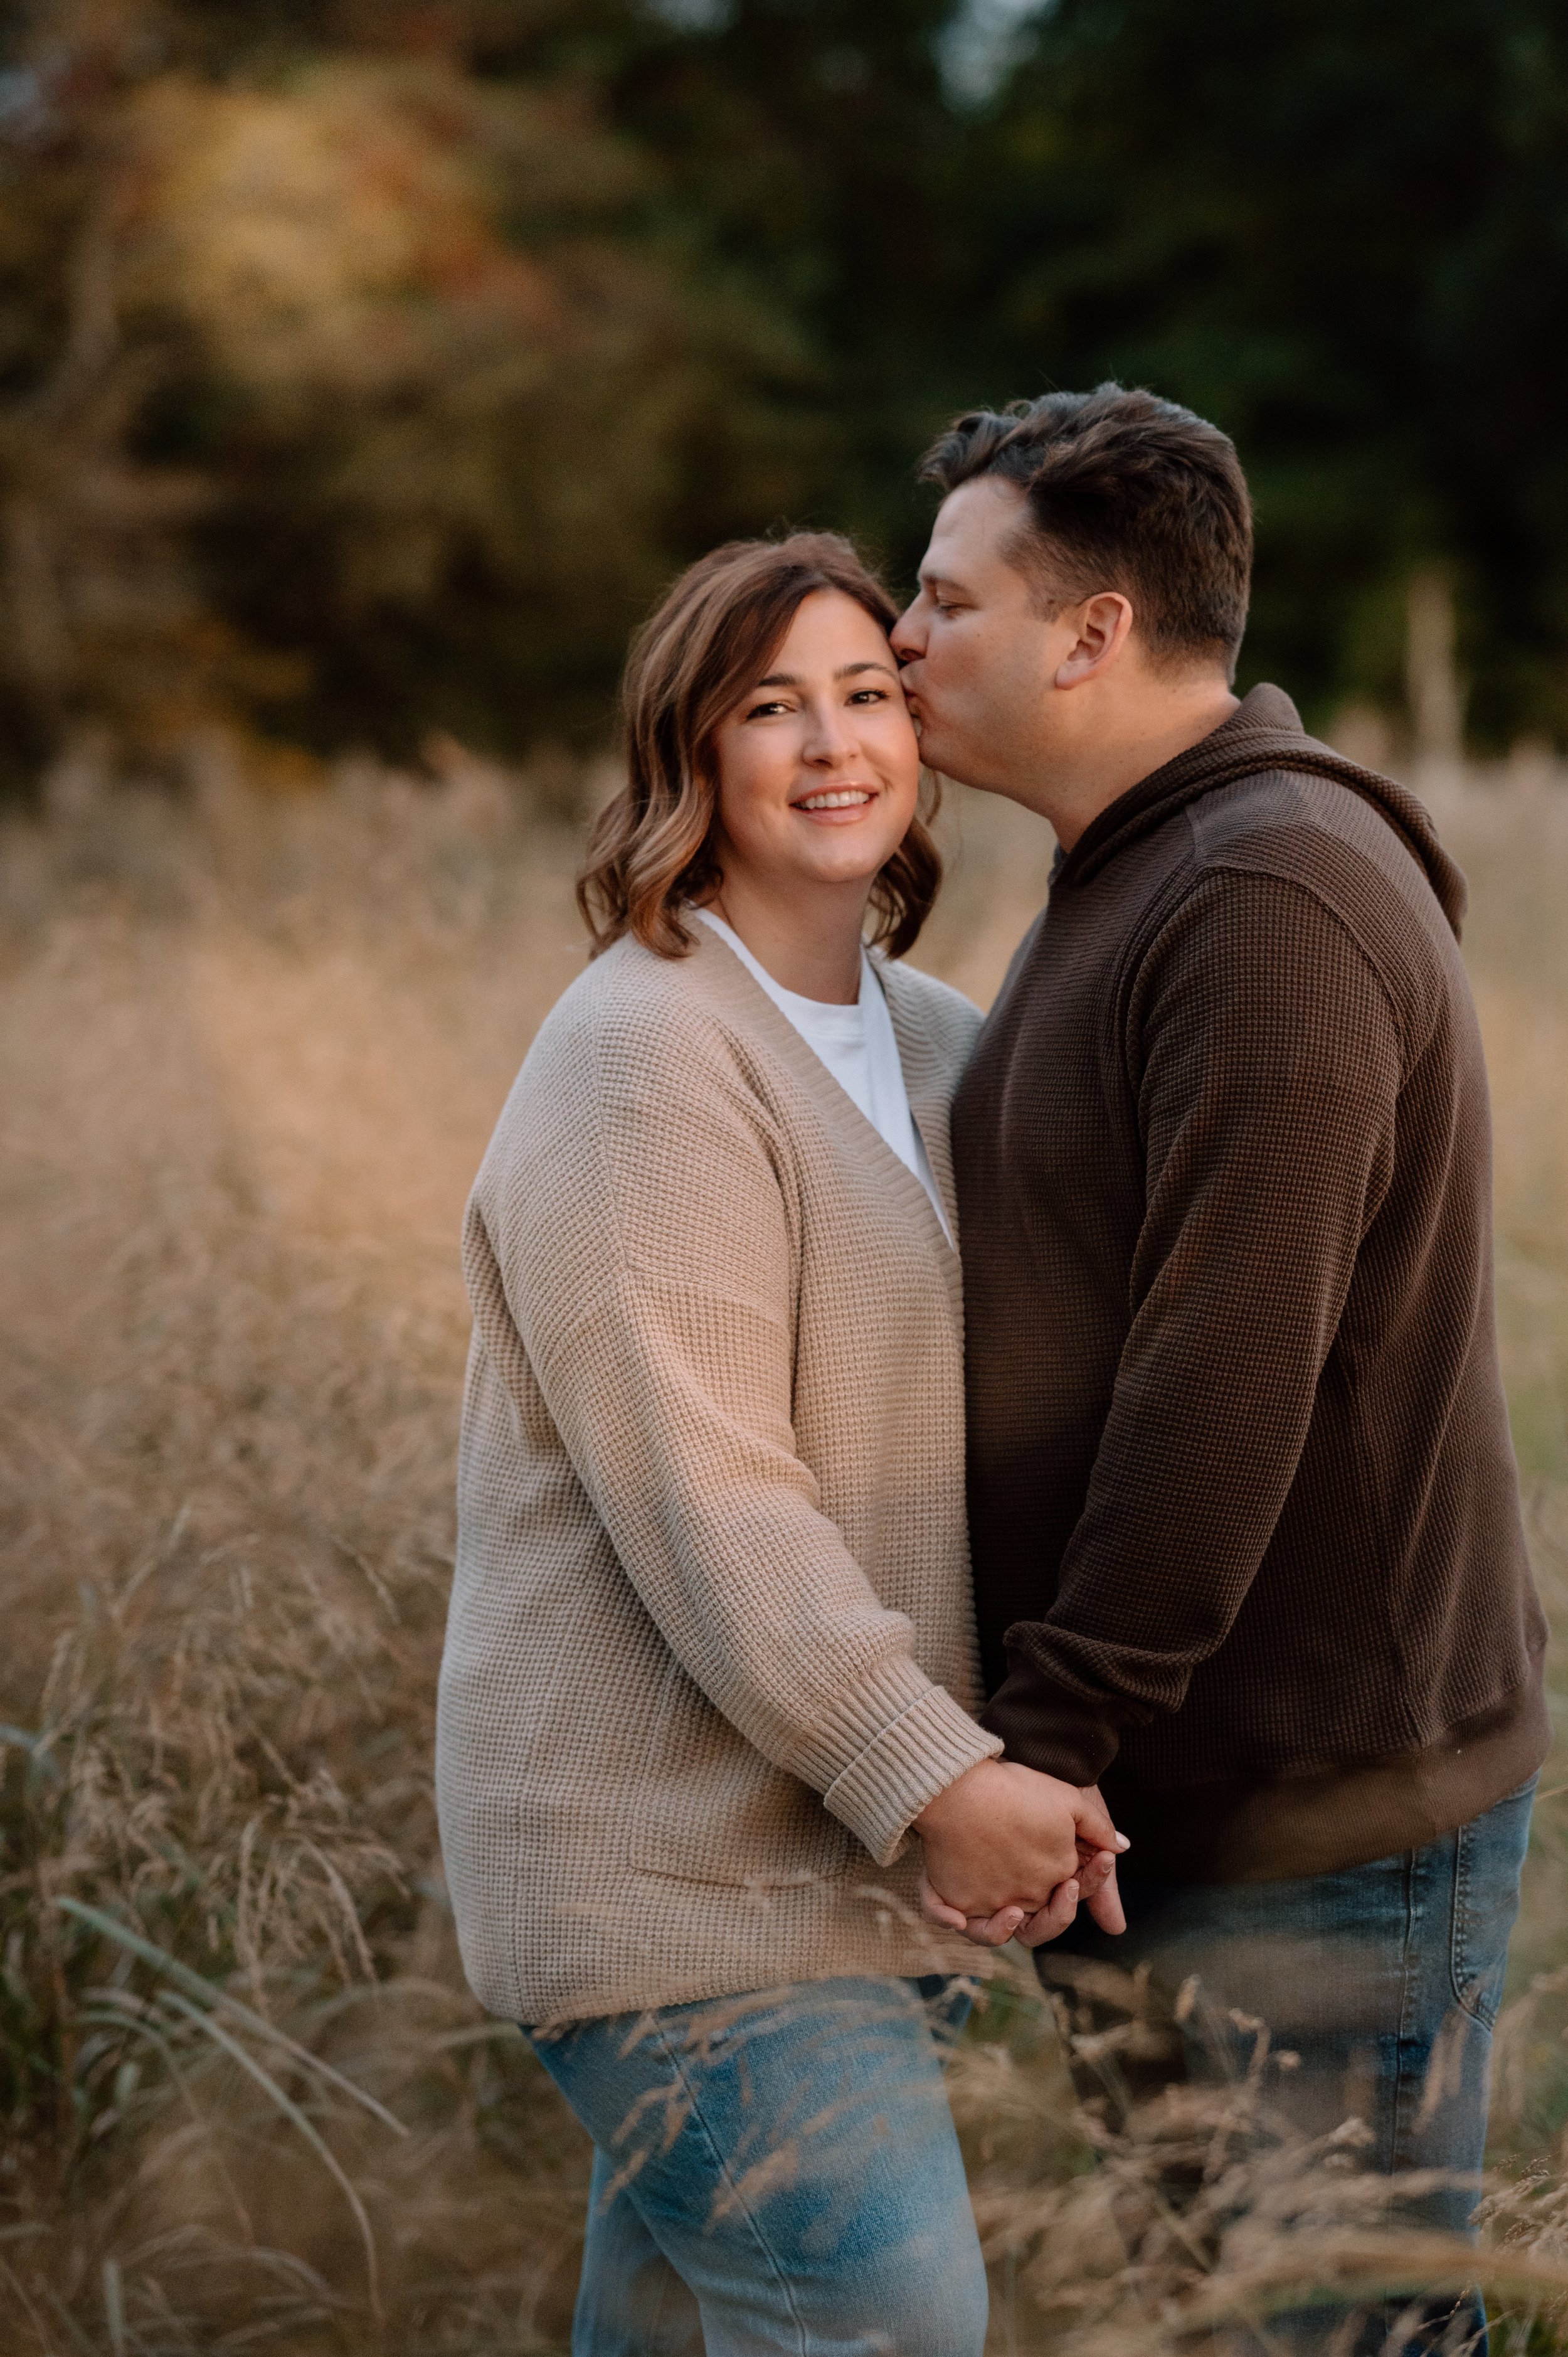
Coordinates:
(1011, 1852)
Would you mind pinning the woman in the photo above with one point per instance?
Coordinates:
(711, 1654)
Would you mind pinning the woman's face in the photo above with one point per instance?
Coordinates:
(819, 767)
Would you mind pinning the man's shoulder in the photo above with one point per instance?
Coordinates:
(1286, 832)
(1322, 835)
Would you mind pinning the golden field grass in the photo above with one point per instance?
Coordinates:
(252, 1045)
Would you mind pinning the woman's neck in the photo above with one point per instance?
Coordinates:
(809, 944)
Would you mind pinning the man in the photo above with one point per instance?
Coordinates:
(1247, 1544)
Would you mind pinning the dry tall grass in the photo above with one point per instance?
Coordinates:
(253, 1048)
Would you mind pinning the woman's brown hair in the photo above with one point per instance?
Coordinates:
(711, 638)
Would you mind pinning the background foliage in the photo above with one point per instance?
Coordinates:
(364, 369)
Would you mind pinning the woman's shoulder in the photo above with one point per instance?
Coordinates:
(948, 1020)
(636, 1038)
(630, 1138)
(629, 996)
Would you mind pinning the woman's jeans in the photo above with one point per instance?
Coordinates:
(775, 2171)
(1383, 1980)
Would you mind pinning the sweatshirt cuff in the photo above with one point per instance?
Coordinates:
(1052, 1730)
(928, 1746)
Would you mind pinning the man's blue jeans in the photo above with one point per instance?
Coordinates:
(776, 2172)
(1384, 1980)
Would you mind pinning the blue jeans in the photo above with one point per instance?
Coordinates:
(775, 2171)
(1383, 1980)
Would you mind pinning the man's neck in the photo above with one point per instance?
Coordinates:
(1082, 778)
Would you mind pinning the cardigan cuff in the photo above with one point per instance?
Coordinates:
(928, 1746)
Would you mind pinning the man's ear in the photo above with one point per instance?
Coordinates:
(1100, 626)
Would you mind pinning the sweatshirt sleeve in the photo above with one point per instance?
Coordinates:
(1266, 1064)
(646, 1246)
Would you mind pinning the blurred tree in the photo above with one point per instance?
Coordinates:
(377, 395)
(451, 385)
(103, 619)
(366, 364)
(1342, 231)
(811, 157)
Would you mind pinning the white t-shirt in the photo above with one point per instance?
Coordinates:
(859, 1047)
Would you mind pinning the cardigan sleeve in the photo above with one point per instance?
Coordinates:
(646, 1238)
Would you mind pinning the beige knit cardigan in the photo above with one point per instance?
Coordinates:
(711, 1645)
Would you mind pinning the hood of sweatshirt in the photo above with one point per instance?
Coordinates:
(1264, 733)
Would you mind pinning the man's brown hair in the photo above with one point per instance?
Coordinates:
(710, 638)
(1125, 491)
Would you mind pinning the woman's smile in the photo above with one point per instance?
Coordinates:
(835, 803)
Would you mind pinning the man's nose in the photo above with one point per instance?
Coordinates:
(908, 637)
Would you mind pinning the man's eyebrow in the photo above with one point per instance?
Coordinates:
(938, 580)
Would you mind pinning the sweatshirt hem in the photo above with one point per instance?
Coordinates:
(1321, 1821)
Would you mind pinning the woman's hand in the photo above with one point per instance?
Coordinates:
(1005, 1844)
(1093, 1886)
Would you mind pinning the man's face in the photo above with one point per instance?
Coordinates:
(979, 661)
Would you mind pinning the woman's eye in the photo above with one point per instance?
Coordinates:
(869, 696)
(762, 711)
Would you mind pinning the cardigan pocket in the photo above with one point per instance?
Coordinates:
(712, 1808)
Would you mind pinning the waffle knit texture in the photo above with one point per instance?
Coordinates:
(711, 1645)
(1243, 1506)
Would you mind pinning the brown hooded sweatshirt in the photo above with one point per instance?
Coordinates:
(1243, 1508)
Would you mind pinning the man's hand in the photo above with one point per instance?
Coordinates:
(1005, 1836)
